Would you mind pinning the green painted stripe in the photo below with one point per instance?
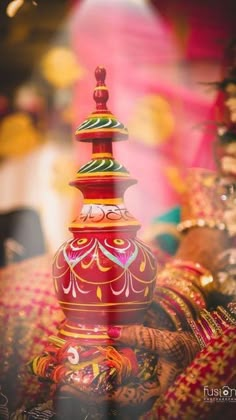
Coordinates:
(100, 123)
(102, 165)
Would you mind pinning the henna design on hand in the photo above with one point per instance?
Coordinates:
(176, 350)
(132, 395)
(173, 346)
(157, 318)
(135, 394)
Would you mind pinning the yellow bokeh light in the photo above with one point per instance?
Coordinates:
(18, 135)
(153, 121)
(60, 67)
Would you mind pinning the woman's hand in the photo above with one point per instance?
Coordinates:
(176, 350)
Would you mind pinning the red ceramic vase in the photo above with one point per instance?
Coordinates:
(104, 275)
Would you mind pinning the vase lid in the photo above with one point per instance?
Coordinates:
(101, 124)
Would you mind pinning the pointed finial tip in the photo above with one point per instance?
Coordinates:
(100, 74)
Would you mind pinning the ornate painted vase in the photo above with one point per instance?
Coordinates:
(104, 275)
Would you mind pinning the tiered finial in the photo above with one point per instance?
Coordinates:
(100, 94)
(100, 74)
(101, 124)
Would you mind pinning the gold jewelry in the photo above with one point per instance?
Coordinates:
(203, 284)
(227, 316)
(170, 312)
(191, 223)
(203, 276)
(186, 288)
(175, 300)
(196, 333)
(211, 322)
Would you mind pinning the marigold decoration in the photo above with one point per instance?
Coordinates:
(18, 135)
(104, 275)
(64, 59)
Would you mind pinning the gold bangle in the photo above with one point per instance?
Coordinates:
(201, 274)
(176, 275)
(204, 331)
(170, 312)
(210, 322)
(227, 316)
(196, 333)
(192, 266)
(177, 272)
(186, 288)
(176, 299)
(191, 223)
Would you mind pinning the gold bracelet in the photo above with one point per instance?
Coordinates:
(175, 300)
(170, 312)
(192, 266)
(206, 335)
(196, 333)
(226, 315)
(191, 223)
(202, 274)
(210, 322)
(176, 272)
(204, 283)
(186, 288)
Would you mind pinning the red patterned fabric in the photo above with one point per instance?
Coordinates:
(213, 368)
(29, 314)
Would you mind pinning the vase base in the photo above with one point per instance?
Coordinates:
(87, 335)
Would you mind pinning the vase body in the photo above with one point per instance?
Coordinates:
(104, 279)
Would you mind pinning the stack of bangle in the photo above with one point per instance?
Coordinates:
(176, 307)
(181, 291)
(211, 324)
(210, 223)
(200, 275)
(182, 284)
(169, 311)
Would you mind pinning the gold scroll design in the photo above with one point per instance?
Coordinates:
(124, 260)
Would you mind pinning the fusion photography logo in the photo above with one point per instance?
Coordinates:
(224, 394)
